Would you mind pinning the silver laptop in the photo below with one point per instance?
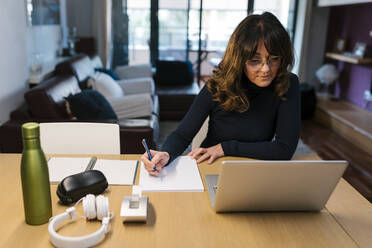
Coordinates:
(273, 185)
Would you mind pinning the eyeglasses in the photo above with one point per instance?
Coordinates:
(271, 61)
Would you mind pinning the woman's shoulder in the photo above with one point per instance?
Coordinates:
(204, 91)
(205, 95)
(208, 90)
(294, 85)
(293, 79)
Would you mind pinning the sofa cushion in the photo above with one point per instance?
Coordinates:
(47, 100)
(134, 71)
(105, 85)
(90, 105)
(80, 66)
(109, 72)
(96, 61)
(132, 106)
(173, 72)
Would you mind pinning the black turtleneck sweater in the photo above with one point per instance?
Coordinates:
(268, 130)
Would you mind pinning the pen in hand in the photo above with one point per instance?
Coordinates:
(148, 151)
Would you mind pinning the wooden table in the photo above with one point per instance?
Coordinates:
(187, 220)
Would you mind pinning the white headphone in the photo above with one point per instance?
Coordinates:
(94, 207)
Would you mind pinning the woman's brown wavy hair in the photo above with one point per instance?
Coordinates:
(225, 84)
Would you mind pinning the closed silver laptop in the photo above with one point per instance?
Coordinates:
(273, 185)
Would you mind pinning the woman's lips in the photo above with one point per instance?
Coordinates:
(265, 77)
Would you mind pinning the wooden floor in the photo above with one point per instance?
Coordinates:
(331, 146)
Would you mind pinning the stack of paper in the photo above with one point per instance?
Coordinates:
(60, 168)
(180, 175)
(121, 172)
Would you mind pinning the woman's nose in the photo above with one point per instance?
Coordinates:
(265, 67)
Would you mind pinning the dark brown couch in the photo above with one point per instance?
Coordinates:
(174, 83)
(46, 103)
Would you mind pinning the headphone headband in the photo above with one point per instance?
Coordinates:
(83, 241)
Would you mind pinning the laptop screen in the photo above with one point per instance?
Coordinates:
(249, 185)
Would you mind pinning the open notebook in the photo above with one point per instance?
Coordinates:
(180, 175)
(119, 172)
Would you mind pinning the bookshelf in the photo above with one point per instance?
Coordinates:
(349, 59)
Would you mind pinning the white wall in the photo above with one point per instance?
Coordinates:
(316, 43)
(44, 40)
(18, 43)
(13, 60)
(92, 18)
(80, 15)
(301, 37)
(310, 39)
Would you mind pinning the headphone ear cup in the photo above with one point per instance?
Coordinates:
(102, 206)
(89, 206)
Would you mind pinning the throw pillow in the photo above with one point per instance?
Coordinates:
(109, 72)
(105, 85)
(90, 105)
(173, 72)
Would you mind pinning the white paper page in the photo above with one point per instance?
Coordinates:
(181, 175)
(120, 172)
(60, 168)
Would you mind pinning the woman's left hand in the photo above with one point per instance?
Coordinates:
(211, 153)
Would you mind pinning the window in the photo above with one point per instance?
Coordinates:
(283, 10)
(179, 20)
(220, 18)
(139, 31)
(173, 19)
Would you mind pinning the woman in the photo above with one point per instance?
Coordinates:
(252, 101)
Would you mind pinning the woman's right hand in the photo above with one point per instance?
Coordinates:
(159, 160)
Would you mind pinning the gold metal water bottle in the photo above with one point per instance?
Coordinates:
(35, 177)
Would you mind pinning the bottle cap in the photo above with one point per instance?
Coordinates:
(30, 130)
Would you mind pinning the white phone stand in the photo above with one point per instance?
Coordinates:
(134, 207)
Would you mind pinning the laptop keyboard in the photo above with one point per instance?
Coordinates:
(215, 188)
(212, 182)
